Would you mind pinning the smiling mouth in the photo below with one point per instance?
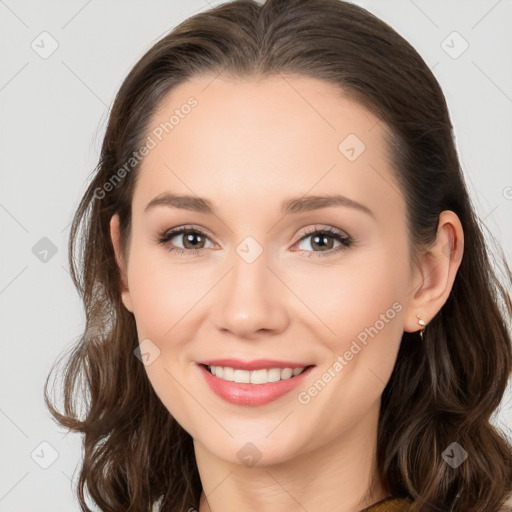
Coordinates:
(262, 376)
(253, 383)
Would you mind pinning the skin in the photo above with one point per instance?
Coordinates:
(248, 145)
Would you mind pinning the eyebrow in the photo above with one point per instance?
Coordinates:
(289, 206)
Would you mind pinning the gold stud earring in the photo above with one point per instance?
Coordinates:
(422, 323)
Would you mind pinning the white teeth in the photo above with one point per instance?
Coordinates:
(274, 374)
(286, 373)
(255, 376)
(228, 374)
(242, 376)
(259, 376)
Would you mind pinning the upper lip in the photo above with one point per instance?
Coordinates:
(255, 364)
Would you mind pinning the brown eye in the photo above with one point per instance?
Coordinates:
(192, 240)
(323, 240)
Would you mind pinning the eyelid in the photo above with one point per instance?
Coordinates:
(323, 229)
(186, 227)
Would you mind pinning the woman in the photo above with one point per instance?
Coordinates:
(289, 300)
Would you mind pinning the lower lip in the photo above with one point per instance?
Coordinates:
(252, 394)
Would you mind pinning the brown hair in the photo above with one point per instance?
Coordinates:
(441, 390)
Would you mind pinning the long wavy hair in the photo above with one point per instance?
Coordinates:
(442, 390)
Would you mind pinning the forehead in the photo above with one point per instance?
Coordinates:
(247, 140)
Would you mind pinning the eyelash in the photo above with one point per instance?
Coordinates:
(346, 241)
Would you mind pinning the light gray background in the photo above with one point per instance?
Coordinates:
(53, 116)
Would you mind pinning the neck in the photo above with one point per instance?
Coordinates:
(338, 475)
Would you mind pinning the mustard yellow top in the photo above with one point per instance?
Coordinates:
(401, 505)
(388, 505)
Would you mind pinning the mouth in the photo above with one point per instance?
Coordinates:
(262, 376)
(255, 382)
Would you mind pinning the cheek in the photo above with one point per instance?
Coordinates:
(363, 293)
(365, 311)
(163, 299)
(162, 293)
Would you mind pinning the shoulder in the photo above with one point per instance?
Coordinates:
(389, 505)
(507, 506)
(400, 505)
(157, 505)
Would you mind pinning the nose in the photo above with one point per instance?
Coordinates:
(251, 300)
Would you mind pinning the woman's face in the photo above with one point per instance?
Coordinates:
(296, 256)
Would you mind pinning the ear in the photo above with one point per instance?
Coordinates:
(433, 280)
(115, 236)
